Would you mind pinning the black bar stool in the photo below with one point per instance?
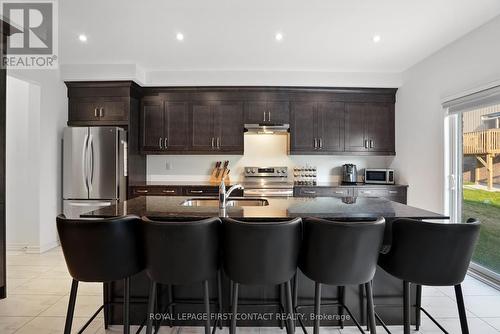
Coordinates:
(435, 254)
(261, 253)
(341, 253)
(180, 252)
(103, 250)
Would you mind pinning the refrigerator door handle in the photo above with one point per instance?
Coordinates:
(85, 163)
(91, 161)
(92, 204)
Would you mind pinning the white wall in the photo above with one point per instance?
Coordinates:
(21, 174)
(260, 150)
(47, 116)
(472, 61)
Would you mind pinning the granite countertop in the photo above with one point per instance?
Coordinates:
(279, 207)
(357, 185)
(319, 184)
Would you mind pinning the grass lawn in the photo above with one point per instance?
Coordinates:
(485, 206)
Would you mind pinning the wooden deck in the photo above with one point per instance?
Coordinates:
(482, 142)
(484, 145)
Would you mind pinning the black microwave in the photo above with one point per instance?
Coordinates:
(379, 175)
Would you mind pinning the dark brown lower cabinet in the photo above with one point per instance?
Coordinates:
(396, 193)
(178, 190)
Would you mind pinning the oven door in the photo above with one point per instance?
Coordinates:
(268, 192)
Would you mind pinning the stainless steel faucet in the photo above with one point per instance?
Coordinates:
(223, 195)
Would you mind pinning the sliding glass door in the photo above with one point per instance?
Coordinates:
(473, 163)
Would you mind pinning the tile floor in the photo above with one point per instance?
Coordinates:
(38, 287)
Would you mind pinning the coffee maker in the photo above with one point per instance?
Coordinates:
(349, 174)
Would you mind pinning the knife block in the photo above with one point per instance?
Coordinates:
(218, 174)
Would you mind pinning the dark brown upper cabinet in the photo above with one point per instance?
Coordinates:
(217, 126)
(101, 103)
(164, 125)
(317, 127)
(369, 127)
(267, 112)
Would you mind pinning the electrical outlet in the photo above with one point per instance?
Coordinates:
(168, 165)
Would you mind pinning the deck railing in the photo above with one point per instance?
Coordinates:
(482, 142)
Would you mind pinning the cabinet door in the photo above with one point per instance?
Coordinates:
(229, 126)
(113, 109)
(102, 109)
(202, 127)
(303, 127)
(355, 132)
(152, 125)
(83, 109)
(256, 112)
(176, 126)
(278, 112)
(330, 125)
(380, 127)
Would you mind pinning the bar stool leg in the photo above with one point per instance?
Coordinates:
(341, 292)
(206, 300)
(234, 308)
(461, 309)
(317, 306)
(71, 307)
(280, 290)
(151, 307)
(418, 306)
(126, 306)
(289, 308)
(105, 295)
(219, 297)
(406, 307)
(170, 291)
(371, 311)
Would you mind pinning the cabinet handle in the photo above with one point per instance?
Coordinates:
(339, 192)
(159, 144)
(366, 192)
(101, 112)
(315, 143)
(320, 143)
(393, 191)
(168, 191)
(371, 143)
(165, 142)
(264, 116)
(311, 192)
(213, 142)
(269, 116)
(366, 143)
(141, 191)
(196, 191)
(95, 112)
(218, 143)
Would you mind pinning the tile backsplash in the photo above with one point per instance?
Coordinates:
(260, 150)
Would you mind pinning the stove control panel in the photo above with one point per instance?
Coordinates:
(266, 171)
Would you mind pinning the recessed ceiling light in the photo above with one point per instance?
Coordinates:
(279, 36)
(376, 38)
(179, 36)
(82, 38)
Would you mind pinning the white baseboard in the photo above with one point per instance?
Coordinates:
(32, 249)
(17, 247)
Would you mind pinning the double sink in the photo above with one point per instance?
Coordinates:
(231, 202)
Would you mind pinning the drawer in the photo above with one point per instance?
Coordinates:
(200, 191)
(396, 194)
(322, 192)
(156, 191)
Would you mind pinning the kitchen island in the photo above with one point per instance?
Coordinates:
(388, 290)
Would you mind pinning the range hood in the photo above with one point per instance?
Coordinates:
(265, 128)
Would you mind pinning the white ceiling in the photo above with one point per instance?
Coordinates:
(319, 35)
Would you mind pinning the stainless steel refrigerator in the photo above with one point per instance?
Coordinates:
(94, 168)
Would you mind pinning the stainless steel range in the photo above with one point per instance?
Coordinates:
(267, 181)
